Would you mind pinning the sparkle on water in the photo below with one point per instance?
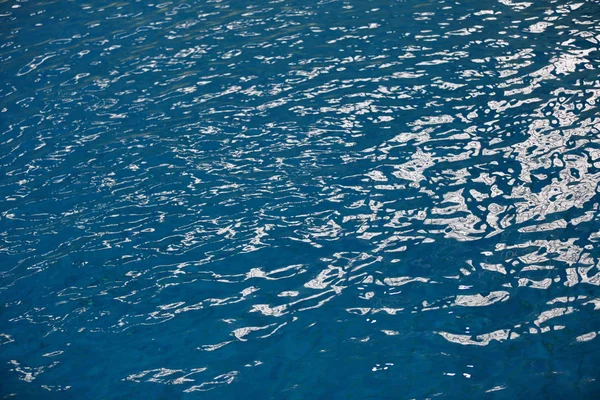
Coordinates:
(299, 199)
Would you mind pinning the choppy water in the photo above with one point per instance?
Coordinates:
(299, 199)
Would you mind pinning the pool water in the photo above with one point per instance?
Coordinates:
(299, 199)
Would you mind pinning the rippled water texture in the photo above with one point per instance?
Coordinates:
(299, 199)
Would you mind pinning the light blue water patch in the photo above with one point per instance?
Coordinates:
(299, 199)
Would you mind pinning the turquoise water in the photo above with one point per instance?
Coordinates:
(299, 199)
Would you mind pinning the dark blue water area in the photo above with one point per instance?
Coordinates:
(299, 199)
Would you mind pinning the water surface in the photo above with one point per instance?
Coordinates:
(299, 199)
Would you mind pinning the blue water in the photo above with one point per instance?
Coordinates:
(299, 199)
